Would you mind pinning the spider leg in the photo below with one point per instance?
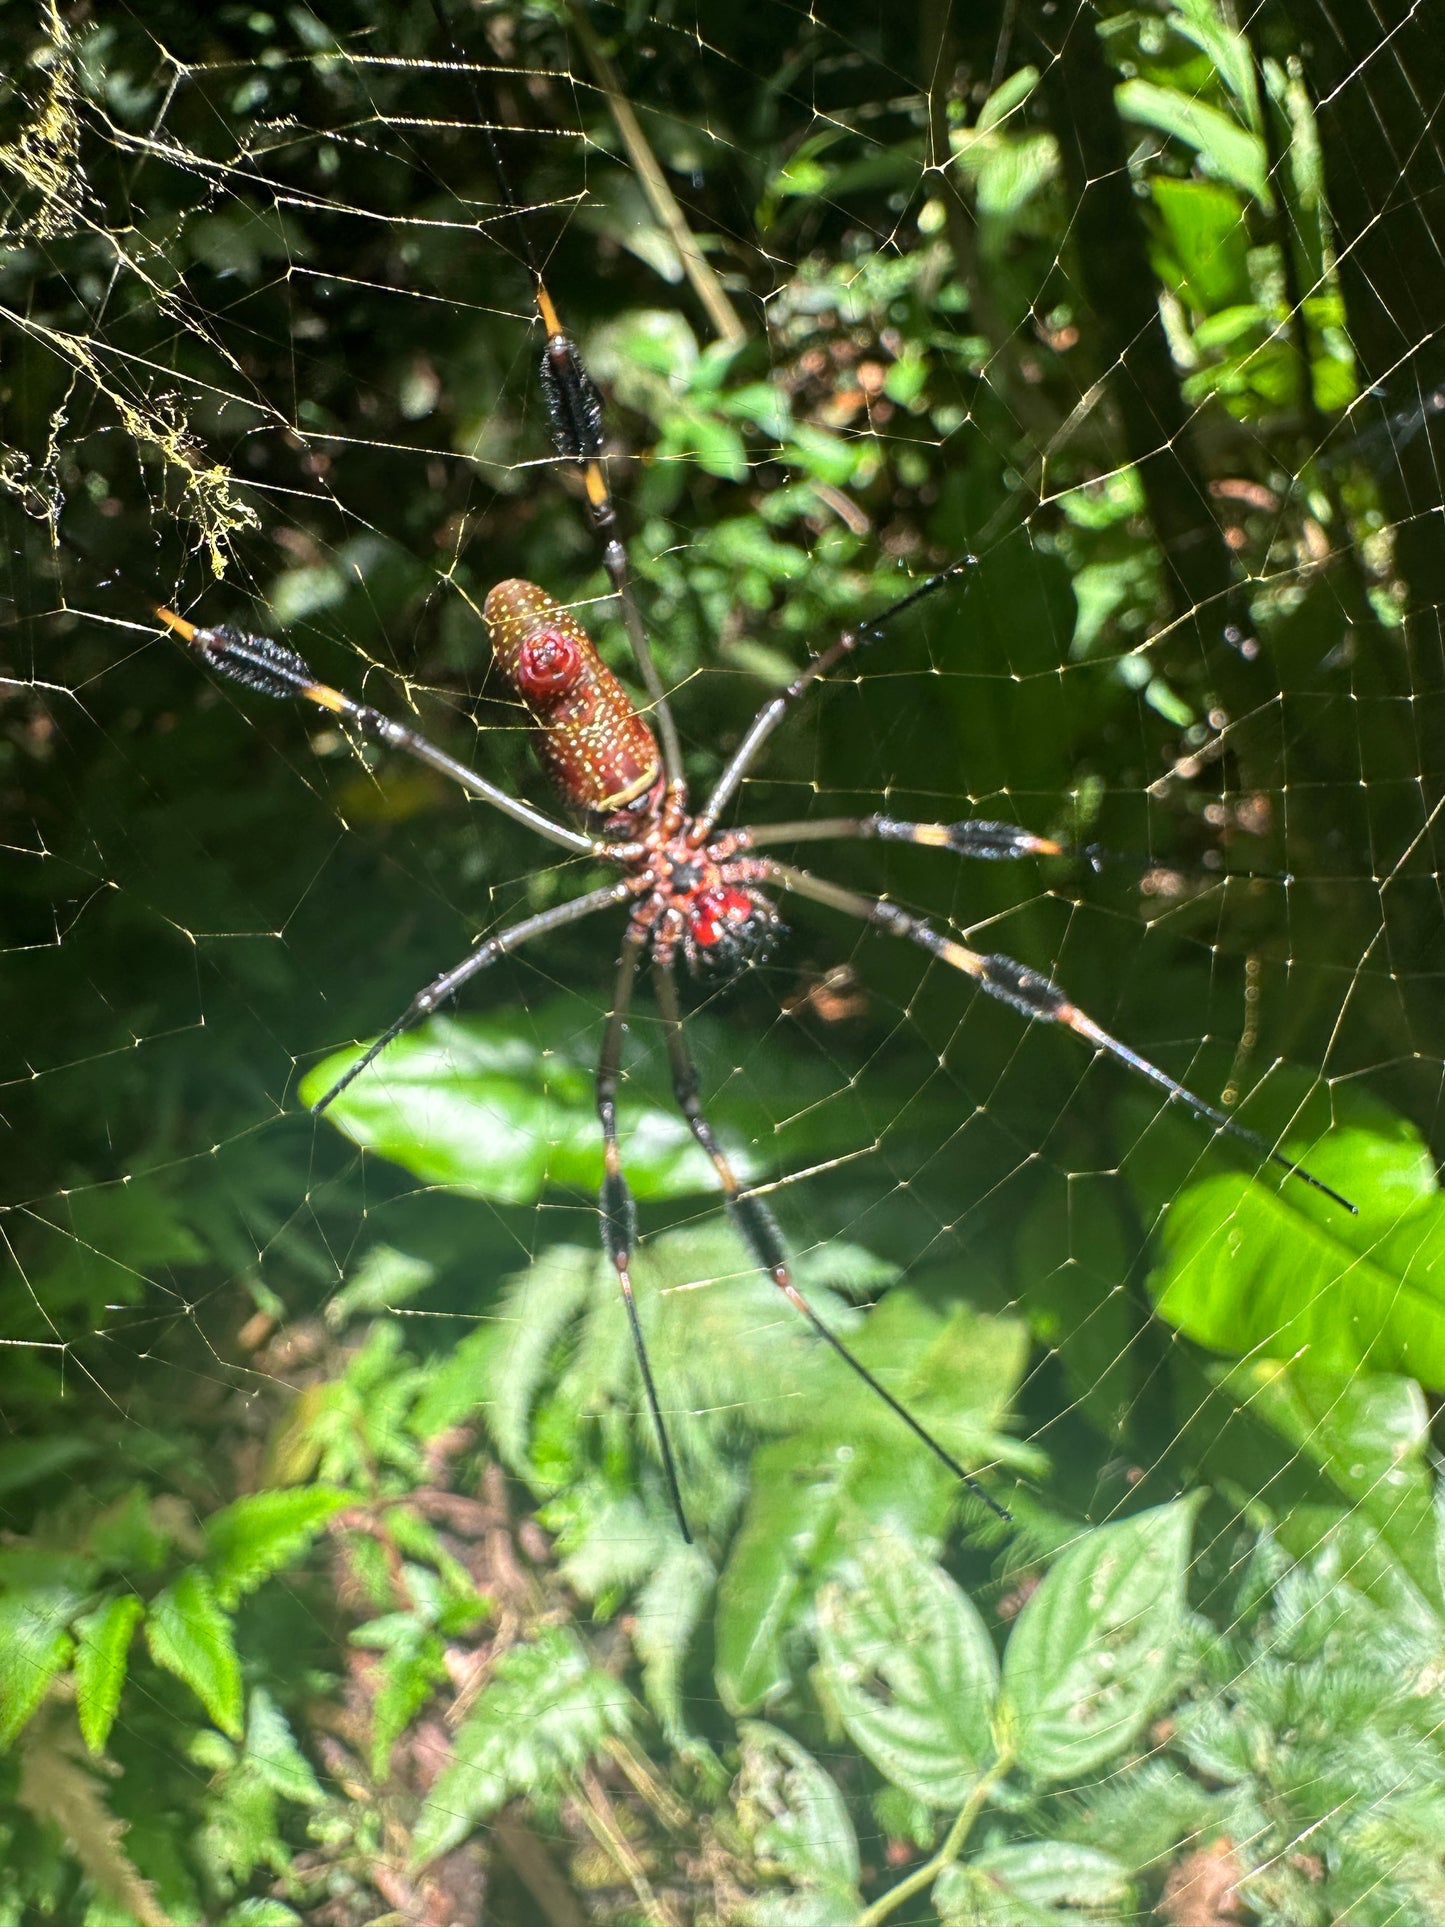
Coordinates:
(773, 712)
(759, 1227)
(1034, 996)
(617, 1207)
(276, 670)
(995, 842)
(486, 953)
(574, 408)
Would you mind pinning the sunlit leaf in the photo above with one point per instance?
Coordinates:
(911, 1671)
(1251, 1269)
(1224, 147)
(1093, 1651)
(1041, 1883)
(190, 1636)
(540, 1718)
(100, 1665)
(256, 1535)
(800, 1829)
(34, 1646)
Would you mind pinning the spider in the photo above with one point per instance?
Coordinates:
(688, 885)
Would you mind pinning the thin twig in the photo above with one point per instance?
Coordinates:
(705, 284)
(952, 1847)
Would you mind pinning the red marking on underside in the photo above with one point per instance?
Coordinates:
(548, 664)
(716, 912)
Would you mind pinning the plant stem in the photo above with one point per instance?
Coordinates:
(952, 1847)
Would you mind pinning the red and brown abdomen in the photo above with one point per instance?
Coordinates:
(597, 750)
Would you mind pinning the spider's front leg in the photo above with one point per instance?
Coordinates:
(1034, 996)
(441, 989)
(759, 1228)
(974, 837)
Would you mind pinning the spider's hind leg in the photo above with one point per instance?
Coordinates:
(617, 1206)
(1037, 997)
(760, 1229)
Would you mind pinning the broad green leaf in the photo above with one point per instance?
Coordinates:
(1228, 50)
(538, 1721)
(257, 1535)
(716, 446)
(1248, 1268)
(1044, 1883)
(100, 1665)
(34, 1647)
(474, 1105)
(800, 1828)
(190, 1636)
(1225, 149)
(1204, 221)
(911, 1671)
(1370, 1436)
(1092, 1653)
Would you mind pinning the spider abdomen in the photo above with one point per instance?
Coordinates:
(601, 756)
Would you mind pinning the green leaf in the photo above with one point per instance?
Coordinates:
(769, 1573)
(475, 1106)
(384, 1279)
(261, 1912)
(1370, 1436)
(1225, 149)
(190, 1636)
(272, 1751)
(911, 1671)
(1043, 1883)
(34, 1647)
(1249, 1269)
(668, 1611)
(800, 1828)
(25, 1462)
(257, 1535)
(100, 1665)
(1205, 224)
(1092, 1653)
(539, 1720)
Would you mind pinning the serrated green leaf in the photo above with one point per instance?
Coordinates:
(189, 1635)
(1043, 1883)
(257, 1535)
(261, 1912)
(34, 1647)
(100, 1665)
(1092, 1653)
(272, 1750)
(539, 1720)
(800, 1828)
(911, 1671)
(667, 1613)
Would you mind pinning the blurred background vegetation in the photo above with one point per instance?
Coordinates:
(337, 1582)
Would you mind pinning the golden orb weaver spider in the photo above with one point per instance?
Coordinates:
(690, 885)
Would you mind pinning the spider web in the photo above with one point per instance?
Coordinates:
(1170, 377)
